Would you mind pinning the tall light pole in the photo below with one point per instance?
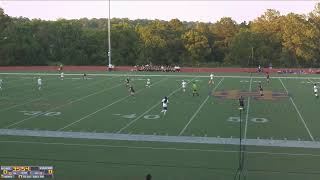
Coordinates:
(109, 39)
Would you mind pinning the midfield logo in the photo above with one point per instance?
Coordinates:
(235, 94)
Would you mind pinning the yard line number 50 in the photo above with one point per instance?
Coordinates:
(255, 120)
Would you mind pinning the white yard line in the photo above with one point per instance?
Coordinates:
(103, 108)
(198, 110)
(296, 108)
(248, 108)
(156, 148)
(60, 92)
(57, 107)
(157, 104)
(161, 75)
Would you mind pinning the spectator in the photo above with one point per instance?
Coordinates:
(157, 68)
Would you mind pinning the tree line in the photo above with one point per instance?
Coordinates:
(291, 40)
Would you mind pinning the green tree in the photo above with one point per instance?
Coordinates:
(197, 46)
(298, 39)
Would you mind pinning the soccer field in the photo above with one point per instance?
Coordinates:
(94, 129)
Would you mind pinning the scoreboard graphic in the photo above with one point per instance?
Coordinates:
(26, 172)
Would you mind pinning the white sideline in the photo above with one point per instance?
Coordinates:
(296, 108)
(198, 110)
(161, 138)
(103, 108)
(161, 75)
(157, 104)
(157, 148)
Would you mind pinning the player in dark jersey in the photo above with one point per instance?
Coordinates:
(241, 103)
(127, 82)
(268, 78)
(85, 76)
(261, 91)
(131, 90)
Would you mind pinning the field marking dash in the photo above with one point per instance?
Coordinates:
(198, 110)
(296, 108)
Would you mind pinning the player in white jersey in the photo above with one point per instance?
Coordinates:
(315, 89)
(61, 75)
(148, 83)
(1, 84)
(165, 102)
(184, 85)
(39, 83)
(211, 79)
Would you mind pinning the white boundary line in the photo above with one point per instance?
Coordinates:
(157, 104)
(104, 107)
(248, 108)
(296, 108)
(53, 94)
(57, 107)
(157, 148)
(161, 138)
(163, 75)
(198, 110)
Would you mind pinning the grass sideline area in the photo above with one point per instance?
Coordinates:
(288, 112)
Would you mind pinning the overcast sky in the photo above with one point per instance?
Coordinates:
(206, 11)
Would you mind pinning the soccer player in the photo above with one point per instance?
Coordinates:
(165, 102)
(184, 86)
(39, 83)
(211, 79)
(85, 76)
(194, 89)
(61, 75)
(148, 83)
(1, 84)
(60, 67)
(259, 69)
(148, 177)
(127, 82)
(241, 103)
(260, 89)
(131, 90)
(268, 78)
(315, 89)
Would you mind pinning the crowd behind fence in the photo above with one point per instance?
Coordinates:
(156, 68)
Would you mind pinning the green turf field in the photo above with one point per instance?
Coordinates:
(94, 129)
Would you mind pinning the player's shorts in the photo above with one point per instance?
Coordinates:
(165, 108)
(194, 90)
